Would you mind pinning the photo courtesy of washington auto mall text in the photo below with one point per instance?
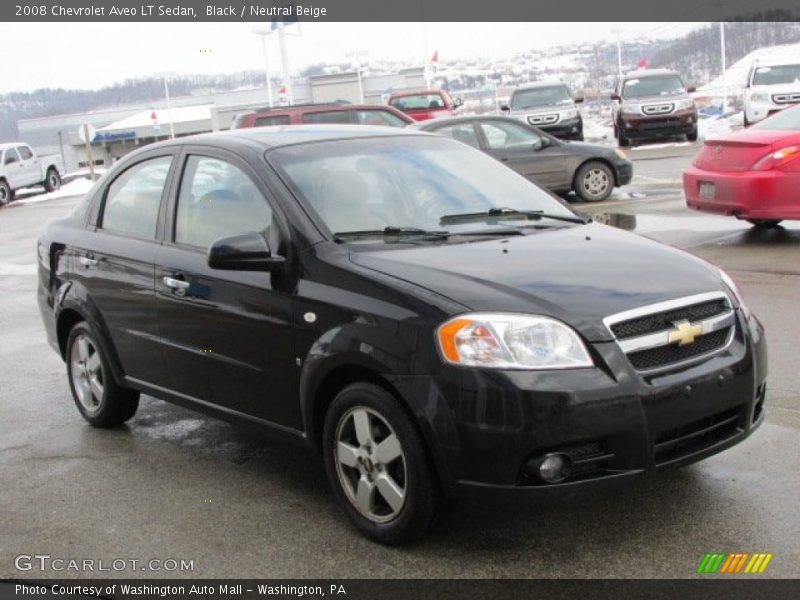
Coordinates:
(400, 300)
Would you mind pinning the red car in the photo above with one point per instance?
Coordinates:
(338, 113)
(752, 174)
(424, 105)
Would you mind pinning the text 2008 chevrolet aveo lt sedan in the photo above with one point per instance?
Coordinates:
(428, 319)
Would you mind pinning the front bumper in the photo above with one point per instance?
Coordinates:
(624, 170)
(746, 195)
(485, 427)
(681, 122)
(568, 129)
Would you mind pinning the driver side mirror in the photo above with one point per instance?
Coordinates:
(578, 99)
(244, 252)
(458, 102)
(505, 107)
(615, 97)
(691, 89)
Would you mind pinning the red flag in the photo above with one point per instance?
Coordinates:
(282, 89)
(435, 57)
(642, 64)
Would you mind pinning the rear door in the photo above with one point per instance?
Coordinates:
(526, 151)
(31, 171)
(227, 335)
(116, 265)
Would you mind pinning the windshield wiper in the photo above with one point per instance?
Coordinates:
(390, 231)
(494, 214)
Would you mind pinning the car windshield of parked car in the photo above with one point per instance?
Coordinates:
(777, 74)
(543, 96)
(370, 184)
(788, 119)
(417, 102)
(662, 85)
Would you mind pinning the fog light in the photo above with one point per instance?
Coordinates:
(553, 468)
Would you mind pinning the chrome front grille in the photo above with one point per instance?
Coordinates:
(675, 333)
(786, 98)
(658, 109)
(543, 119)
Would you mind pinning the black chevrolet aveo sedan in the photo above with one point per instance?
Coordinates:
(427, 319)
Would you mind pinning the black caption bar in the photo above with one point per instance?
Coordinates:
(709, 588)
(603, 12)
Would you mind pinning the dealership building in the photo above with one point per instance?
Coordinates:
(119, 130)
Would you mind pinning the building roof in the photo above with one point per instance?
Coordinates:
(180, 114)
(540, 84)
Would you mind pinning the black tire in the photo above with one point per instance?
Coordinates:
(53, 180)
(746, 121)
(106, 405)
(764, 223)
(594, 181)
(692, 136)
(6, 195)
(410, 471)
(622, 140)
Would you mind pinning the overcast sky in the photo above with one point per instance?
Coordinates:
(91, 55)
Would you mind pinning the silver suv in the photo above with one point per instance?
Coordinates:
(548, 105)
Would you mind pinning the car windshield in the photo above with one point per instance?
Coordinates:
(540, 96)
(417, 102)
(776, 74)
(661, 85)
(409, 182)
(788, 119)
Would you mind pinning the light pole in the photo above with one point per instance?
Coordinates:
(724, 67)
(357, 55)
(169, 110)
(287, 78)
(619, 52)
(263, 32)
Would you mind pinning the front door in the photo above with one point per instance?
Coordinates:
(527, 152)
(31, 170)
(227, 335)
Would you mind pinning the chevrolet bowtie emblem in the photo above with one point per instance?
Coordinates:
(685, 332)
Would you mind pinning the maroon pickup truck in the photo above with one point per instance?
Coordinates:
(424, 105)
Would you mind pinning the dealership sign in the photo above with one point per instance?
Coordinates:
(115, 136)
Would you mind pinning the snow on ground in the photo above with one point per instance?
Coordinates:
(77, 187)
(597, 130)
(712, 127)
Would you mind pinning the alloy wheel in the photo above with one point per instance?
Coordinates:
(596, 182)
(371, 464)
(87, 373)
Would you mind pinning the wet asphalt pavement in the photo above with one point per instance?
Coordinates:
(178, 485)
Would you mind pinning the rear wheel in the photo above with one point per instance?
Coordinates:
(53, 180)
(6, 195)
(594, 182)
(764, 223)
(376, 463)
(99, 399)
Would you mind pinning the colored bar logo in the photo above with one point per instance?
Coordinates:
(734, 563)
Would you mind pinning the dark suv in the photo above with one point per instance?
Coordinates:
(316, 114)
(429, 320)
(653, 104)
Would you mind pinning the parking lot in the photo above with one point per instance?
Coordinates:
(177, 485)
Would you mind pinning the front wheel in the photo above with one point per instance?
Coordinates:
(594, 182)
(764, 223)
(692, 135)
(622, 140)
(376, 463)
(53, 180)
(99, 399)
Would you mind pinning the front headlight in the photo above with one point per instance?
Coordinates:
(763, 98)
(569, 114)
(684, 104)
(631, 109)
(735, 292)
(507, 341)
(621, 153)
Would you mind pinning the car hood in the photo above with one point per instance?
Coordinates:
(577, 274)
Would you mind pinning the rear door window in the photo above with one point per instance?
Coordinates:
(339, 117)
(25, 152)
(133, 199)
(378, 117)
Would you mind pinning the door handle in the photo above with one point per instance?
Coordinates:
(179, 285)
(88, 261)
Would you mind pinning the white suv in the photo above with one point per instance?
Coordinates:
(771, 87)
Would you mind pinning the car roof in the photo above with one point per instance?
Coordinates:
(11, 145)
(540, 84)
(286, 135)
(642, 73)
(320, 107)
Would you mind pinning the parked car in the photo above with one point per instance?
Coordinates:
(751, 174)
(590, 170)
(424, 105)
(336, 113)
(21, 168)
(430, 321)
(772, 85)
(653, 104)
(548, 105)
